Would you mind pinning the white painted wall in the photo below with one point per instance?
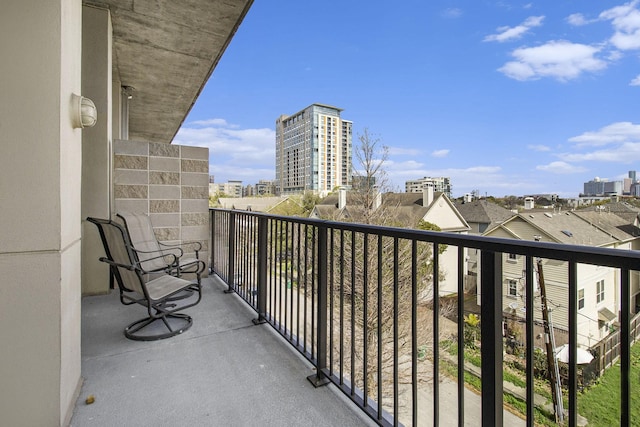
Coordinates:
(96, 144)
(40, 171)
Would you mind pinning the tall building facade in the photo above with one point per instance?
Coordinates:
(602, 187)
(313, 151)
(441, 184)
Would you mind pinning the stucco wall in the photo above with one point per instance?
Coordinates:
(168, 182)
(40, 170)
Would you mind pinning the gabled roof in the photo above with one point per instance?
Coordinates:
(404, 210)
(483, 212)
(622, 209)
(617, 226)
(564, 227)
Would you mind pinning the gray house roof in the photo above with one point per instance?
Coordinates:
(625, 210)
(404, 209)
(483, 212)
(570, 228)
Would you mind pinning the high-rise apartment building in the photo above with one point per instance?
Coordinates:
(313, 151)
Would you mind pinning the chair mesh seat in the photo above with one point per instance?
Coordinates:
(164, 286)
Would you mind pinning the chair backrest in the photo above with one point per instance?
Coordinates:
(117, 247)
(144, 239)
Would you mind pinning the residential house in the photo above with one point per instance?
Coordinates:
(481, 215)
(598, 302)
(405, 210)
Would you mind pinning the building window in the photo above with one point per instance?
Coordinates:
(512, 257)
(580, 298)
(600, 291)
(513, 288)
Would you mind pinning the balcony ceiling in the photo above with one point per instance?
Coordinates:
(166, 50)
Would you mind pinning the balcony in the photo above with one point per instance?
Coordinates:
(223, 371)
(355, 309)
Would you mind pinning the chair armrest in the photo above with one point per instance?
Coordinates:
(116, 264)
(197, 246)
(193, 266)
(181, 252)
(171, 262)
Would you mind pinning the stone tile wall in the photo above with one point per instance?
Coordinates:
(168, 182)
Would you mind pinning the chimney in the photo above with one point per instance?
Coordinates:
(342, 198)
(427, 195)
(377, 202)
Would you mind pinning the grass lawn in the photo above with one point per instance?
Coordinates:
(600, 403)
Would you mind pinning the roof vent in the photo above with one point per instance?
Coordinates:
(548, 215)
(568, 233)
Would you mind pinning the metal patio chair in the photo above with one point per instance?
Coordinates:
(148, 248)
(163, 296)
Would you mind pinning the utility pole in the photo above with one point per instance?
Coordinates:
(552, 363)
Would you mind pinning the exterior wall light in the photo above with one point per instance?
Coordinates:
(128, 91)
(84, 112)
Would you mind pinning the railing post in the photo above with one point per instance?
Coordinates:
(491, 330)
(232, 253)
(212, 227)
(262, 270)
(625, 347)
(319, 379)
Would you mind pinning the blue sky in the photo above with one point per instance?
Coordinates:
(503, 97)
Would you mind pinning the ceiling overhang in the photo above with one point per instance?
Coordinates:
(167, 50)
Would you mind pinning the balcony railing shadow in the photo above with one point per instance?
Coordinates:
(224, 370)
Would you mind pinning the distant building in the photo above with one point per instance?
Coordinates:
(313, 151)
(264, 187)
(603, 187)
(230, 189)
(359, 182)
(439, 184)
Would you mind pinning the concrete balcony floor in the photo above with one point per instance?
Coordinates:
(223, 371)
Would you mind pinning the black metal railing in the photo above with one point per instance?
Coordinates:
(363, 304)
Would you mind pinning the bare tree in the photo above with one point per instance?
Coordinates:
(374, 284)
(370, 178)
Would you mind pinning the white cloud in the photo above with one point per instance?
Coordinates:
(610, 134)
(625, 20)
(627, 152)
(512, 33)
(559, 59)
(538, 147)
(561, 168)
(452, 12)
(234, 153)
(440, 153)
(635, 81)
(577, 19)
(401, 151)
(210, 122)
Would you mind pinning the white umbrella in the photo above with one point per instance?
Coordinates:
(583, 356)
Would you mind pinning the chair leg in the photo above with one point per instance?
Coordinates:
(175, 323)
